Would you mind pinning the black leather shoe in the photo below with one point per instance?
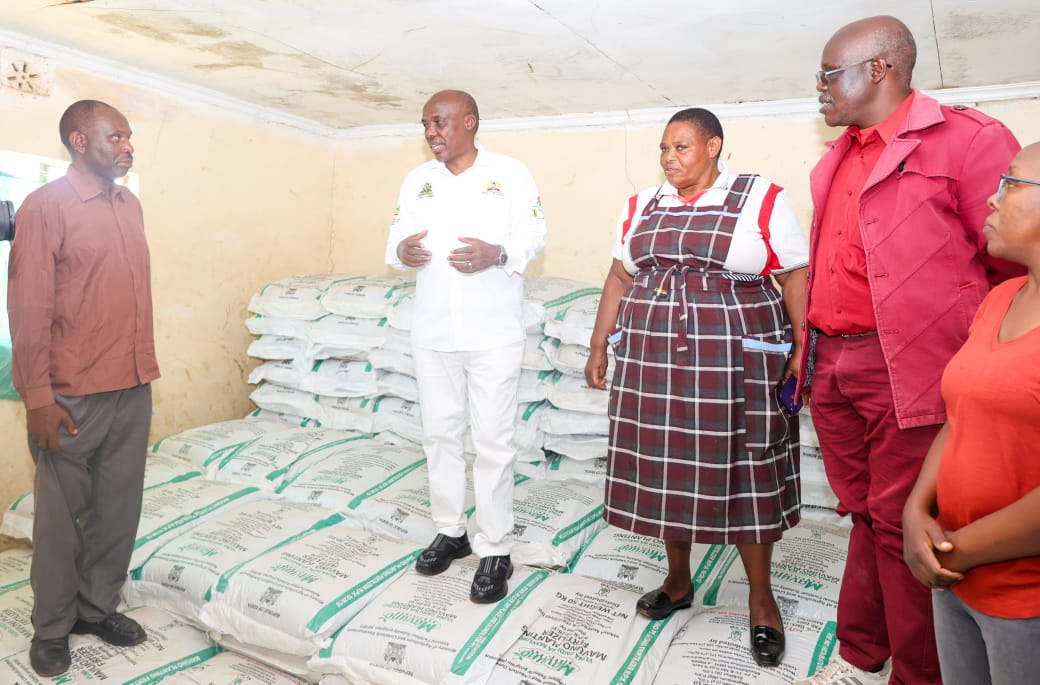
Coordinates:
(115, 629)
(489, 582)
(767, 646)
(50, 657)
(657, 605)
(442, 551)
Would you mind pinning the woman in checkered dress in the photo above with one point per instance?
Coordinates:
(701, 450)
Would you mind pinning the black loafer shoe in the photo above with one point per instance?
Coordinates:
(489, 582)
(657, 605)
(767, 646)
(115, 629)
(442, 551)
(50, 657)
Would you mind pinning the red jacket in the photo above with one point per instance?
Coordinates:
(921, 215)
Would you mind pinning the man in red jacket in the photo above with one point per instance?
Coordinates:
(898, 266)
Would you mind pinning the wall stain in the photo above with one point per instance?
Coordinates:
(984, 24)
(167, 29)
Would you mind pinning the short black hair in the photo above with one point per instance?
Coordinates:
(75, 118)
(703, 119)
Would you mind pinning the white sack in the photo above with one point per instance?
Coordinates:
(18, 518)
(544, 295)
(366, 297)
(573, 393)
(344, 336)
(552, 520)
(577, 446)
(399, 385)
(266, 461)
(568, 422)
(534, 357)
(16, 601)
(573, 323)
(401, 509)
(273, 325)
(425, 629)
(400, 313)
(808, 563)
(560, 467)
(392, 360)
(296, 297)
(398, 415)
(284, 372)
(637, 562)
(342, 479)
(294, 597)
(228, 668)
(713, 647)
(341, 378)
(586, 632)
(171, 509)
(180, 575)
(348, 413)
(533, 385)
(277, 347)
(279, 399)
(171, 647)
(204, 444)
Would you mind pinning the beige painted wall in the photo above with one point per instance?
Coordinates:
(231, 203)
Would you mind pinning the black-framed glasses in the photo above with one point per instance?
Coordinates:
(823, 77)
(1004, 179)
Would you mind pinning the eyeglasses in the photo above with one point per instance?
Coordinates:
(1004, 179)
(824, 77)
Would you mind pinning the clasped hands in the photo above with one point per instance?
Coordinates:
(475, 255)
(929, 551)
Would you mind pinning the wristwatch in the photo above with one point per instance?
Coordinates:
(502, 256)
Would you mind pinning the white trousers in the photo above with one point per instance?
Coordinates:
(488, 379)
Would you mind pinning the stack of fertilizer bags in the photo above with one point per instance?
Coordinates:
(280, 547)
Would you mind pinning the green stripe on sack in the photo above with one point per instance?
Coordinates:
(225, 459)
(478, 642)
(325, 446)
(578, 526)
(225, 578)
(18, 501)
(571, 297)
(202, 511)
(358, 591)
(824, 648)
(569, 568)
(157, 674)
(13, 586)
(384, 484)
(630, 669)
(724, 562)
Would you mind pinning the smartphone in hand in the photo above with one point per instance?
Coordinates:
(785, 393)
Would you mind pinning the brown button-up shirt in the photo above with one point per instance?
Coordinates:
(79, 292)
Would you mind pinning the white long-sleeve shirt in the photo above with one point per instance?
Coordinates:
(496, 201)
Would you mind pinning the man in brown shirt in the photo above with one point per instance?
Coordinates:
(80, 305)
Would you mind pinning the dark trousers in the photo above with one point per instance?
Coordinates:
(88, 504)
(872, 465)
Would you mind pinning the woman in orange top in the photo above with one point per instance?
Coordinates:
(972, 522)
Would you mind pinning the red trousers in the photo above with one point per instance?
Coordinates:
(883, 611)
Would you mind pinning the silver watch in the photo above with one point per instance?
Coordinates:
(502, 256)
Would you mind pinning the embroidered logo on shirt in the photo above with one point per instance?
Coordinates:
(426, 191)
(536, 209)
(397, 215)
(493, 188)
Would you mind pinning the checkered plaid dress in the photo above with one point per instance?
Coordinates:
(700, 448)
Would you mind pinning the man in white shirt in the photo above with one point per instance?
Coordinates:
(469, 221)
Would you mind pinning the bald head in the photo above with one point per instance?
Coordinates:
(78, 117)
(459, 98)
(882, 36)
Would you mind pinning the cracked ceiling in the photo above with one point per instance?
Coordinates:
(345, 63)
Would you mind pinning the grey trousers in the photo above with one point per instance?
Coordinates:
(88, 504)
(977, 649)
